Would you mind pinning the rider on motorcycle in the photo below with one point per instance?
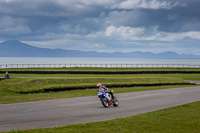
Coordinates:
(103, 88)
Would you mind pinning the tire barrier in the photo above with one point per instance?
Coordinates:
(57, 89)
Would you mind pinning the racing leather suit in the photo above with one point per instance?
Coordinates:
(104, 89)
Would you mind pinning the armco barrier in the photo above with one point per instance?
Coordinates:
(2, 66)
(102, 72)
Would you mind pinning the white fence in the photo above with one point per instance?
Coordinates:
(100, 65)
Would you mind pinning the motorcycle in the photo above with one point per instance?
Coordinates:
(107, 100)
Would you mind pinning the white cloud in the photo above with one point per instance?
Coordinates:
(13, 26)
(122, 39)
(126, 17)
(178, 36)
(127, 33)
(102, 24)
(117, 33)
(51, 8)
(147, 4)
(123, 32)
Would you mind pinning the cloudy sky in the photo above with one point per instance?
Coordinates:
(104, 25)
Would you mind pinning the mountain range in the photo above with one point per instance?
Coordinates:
(15, 48)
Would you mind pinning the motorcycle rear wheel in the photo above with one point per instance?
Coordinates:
(115, 101)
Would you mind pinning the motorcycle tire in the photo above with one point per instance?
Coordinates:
(105, 103)
(115, 101)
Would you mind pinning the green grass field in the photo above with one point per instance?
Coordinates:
(9, 89)
(29, 84)
(184, 118)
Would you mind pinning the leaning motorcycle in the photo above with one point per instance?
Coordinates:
(107, 100)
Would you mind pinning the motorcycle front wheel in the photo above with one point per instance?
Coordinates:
(104, 102)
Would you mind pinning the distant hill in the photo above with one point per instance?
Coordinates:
(16, 48)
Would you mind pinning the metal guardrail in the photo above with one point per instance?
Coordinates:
(100, 65)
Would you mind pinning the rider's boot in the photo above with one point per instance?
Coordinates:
(112, 95)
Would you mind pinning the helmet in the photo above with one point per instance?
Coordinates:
(99, 85)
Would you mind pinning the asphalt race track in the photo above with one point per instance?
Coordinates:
(52, 113)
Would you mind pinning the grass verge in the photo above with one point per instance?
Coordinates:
(8, 88)
(179, 119)
(30, 84)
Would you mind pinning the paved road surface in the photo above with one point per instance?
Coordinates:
(192, 81)
(51, 113)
